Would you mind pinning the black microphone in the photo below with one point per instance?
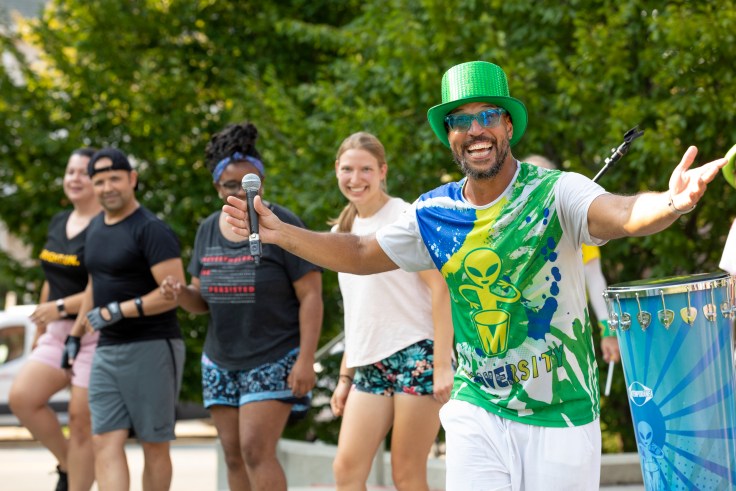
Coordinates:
(251, 184)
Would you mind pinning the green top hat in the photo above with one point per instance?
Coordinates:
(476, 81)
(729, 170)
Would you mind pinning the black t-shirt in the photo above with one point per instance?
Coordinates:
(254, 310)
(119, 258)
(62, 259)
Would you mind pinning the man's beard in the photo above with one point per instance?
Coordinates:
(113, 205)
(502, 152)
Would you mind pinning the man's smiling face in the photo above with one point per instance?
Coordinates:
(481, 151)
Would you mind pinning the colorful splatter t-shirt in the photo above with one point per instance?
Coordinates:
(515, 274)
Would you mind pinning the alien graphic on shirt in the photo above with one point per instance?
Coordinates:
(482, 266)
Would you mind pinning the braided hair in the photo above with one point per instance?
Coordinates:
(234, 138)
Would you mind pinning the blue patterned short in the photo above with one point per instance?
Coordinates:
(408, 371)
(266, 382)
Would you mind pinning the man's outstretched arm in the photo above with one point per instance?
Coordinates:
(342, 252)
(611, 216)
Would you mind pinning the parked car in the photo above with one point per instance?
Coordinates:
(16, 337)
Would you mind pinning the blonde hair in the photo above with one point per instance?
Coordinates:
(361, 140)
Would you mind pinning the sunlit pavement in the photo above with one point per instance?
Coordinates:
(26, 466)
(33, 468)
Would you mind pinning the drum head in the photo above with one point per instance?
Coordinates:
(672, 284)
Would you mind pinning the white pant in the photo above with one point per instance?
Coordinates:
(486, 452)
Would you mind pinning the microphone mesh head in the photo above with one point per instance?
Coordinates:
(251, 182)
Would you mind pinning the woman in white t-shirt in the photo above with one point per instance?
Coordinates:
(395, 322)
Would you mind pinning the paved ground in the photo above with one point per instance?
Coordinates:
(26, 466)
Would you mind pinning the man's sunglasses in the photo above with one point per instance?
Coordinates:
(488, 118)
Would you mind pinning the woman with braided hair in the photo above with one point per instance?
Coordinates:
(265, 320)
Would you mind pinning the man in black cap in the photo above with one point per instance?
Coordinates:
(524, 409)
(137, 368)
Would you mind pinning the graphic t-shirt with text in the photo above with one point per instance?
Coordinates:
(254, 310)
(514, 270)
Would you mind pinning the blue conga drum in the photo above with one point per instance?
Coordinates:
(677, 351)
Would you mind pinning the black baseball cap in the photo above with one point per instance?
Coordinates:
(119, 161)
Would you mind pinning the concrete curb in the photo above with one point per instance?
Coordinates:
(309, 465)
(621, 468)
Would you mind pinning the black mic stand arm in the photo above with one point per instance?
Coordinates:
(617, 153)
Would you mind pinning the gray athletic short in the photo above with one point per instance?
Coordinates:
(136, 385)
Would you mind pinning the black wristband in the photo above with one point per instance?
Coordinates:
(139, 305)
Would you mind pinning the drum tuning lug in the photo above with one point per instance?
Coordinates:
(613, 321)
(688, 313)
(726, 310)
(612, 315)
(625, 320)
(710, 312)
(709, 309)
(728, 307)
(666, 316)
(643, 317)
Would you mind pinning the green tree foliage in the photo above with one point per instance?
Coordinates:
(157, 78)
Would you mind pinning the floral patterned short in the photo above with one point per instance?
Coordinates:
(266, 382)
(408, 371)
